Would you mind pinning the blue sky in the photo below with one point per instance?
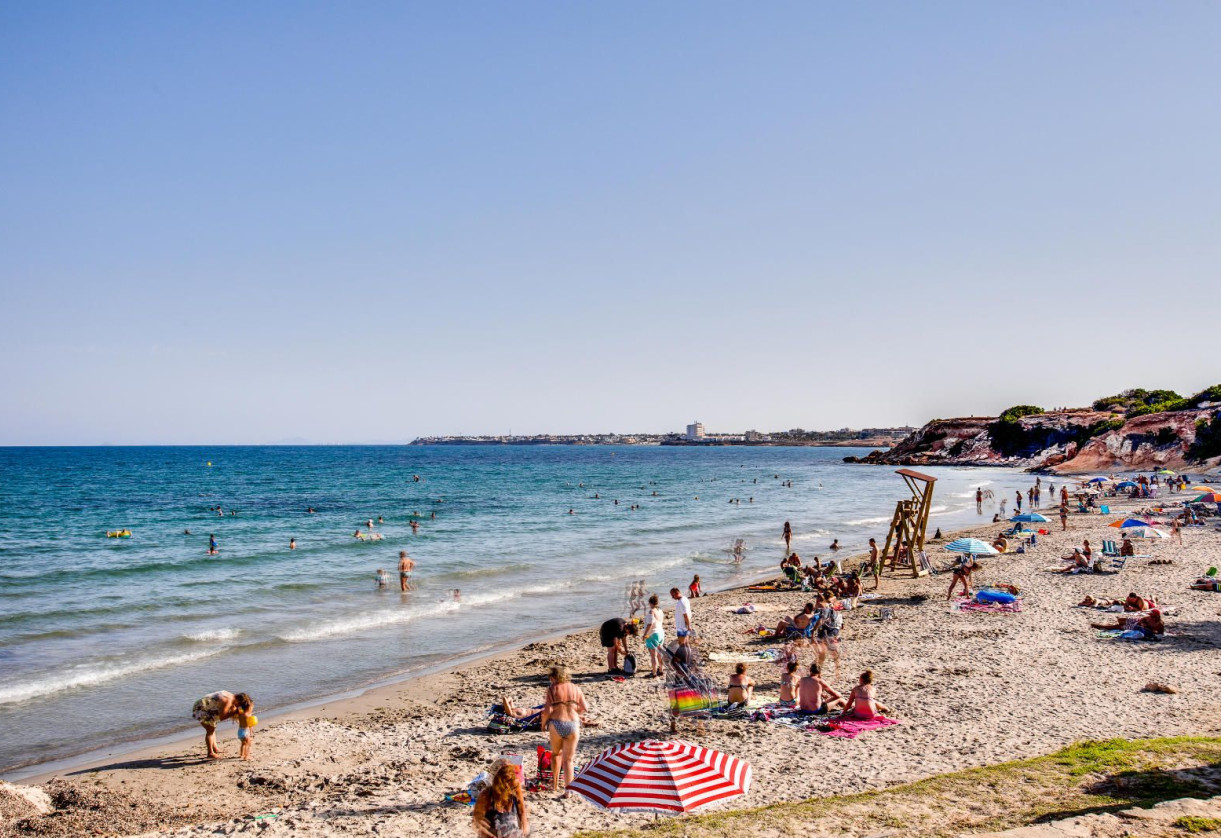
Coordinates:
(371, 221)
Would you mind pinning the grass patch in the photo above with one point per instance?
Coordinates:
(1084, 778)
(1193, 824)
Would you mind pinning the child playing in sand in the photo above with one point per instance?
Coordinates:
(862, 701)
(741, 686)
(695, 588)
(246, 720)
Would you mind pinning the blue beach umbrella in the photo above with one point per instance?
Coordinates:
(973, 546)
(1127, 484)
(1029, 518)
(1097, 480)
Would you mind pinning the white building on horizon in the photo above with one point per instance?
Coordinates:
(695, 431)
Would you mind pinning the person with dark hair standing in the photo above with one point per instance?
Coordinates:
(788, 537)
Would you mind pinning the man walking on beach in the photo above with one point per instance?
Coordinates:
(979, 501)
(406, 565)
(682, 613)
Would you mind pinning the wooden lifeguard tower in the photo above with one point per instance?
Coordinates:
(910, 522)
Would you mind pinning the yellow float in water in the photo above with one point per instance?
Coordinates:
(118, 533)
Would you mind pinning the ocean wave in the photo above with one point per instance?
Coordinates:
(381, 619)
(92, 675)
(864, 522)
(213, 635)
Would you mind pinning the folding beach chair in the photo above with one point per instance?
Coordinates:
(501, 722)
(1104, 509)
(1110, 548)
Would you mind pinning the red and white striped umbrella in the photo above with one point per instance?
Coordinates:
(669, 776)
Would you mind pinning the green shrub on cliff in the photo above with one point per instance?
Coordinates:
(1018, 411)
(1208, 438)
(1210, 395)
(1139, 401)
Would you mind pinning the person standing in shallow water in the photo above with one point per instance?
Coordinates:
(406, 565)
(788, 537)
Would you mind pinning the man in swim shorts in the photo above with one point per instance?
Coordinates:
(215, 708)
(406, 565)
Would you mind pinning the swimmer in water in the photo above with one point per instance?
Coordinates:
(571, 512)
(186, 532)
(457, 595)
(211, 545)
(292, 544)
(415, 526)
(380, 520)
(382, 579)
(835, 544)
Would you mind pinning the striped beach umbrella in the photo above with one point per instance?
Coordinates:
(1208, 497)
(671, 776)
(1145, 532)
(973, 546)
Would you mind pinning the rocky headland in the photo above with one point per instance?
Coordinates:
(1137, 430)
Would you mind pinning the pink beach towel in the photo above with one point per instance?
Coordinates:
(852, 728)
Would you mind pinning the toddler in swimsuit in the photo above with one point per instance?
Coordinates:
(246, 720)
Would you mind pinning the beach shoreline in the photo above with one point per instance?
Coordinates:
(381, 759)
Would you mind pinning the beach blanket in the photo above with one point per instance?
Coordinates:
(852, 728)
(762, 656)
(969, 605)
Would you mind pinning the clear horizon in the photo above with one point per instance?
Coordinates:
(386, 221)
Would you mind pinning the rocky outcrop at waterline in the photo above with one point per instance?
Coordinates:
(1067, 441)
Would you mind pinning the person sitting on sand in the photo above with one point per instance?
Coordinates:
(1150, 625)
(962, 574)
(797, 623)
(500, 810)
(788, 697)
(1001, 544)
(816, 696)
(862, 701)
(1078, 563)
(563, 706)
(1127, 548)
(1087, 551)
(215, 708)
(741, 687)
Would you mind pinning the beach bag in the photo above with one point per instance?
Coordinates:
(629, 664)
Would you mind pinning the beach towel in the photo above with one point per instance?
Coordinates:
(1119, 634)
(965, 604)
(762, 656)
(852, 728)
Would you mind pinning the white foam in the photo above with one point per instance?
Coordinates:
(382, 619)
(864, 522)
(214, 635)
(89, 676)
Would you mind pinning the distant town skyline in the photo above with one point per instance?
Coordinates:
(241, 223)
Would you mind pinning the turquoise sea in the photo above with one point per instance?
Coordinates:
(104, 640)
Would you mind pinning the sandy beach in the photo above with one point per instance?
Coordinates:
(969, 688)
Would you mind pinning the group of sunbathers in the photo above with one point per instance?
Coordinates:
(813, 696)
(815, 577)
